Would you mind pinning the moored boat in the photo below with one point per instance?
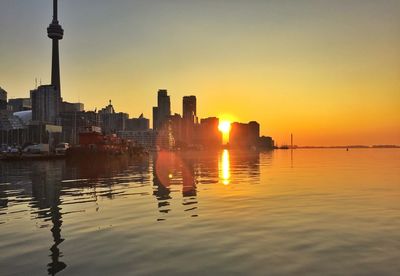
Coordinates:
(94, 144)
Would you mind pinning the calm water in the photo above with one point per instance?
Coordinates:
(313, 212)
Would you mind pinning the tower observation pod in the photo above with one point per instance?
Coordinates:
(55, 33)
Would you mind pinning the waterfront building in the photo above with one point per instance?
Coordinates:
(176, 128)
(189, 111)
(72, 107)
(162, 112)
(136, 124)
(3, 99)
(144, 138)
(155, 117)
(244, 135)
(75, 122)
(266, 142)
(111, 121)
(45, 104)
(20, 104)
(208, 134)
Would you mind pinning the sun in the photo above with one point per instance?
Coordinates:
(224, 126)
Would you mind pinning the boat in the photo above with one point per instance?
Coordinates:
(94, 144)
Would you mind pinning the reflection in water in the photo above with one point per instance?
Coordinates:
(174, 169)
(46, 190)
(56, 189)
(333, 205)
(224, 168)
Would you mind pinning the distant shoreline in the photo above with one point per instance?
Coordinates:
(349, 147)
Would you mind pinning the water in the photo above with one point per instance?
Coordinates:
(310, 212)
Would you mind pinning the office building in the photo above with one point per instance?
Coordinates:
(45, 104)
(136, 124)
(162, 112)
(266, 143)
(189, 111)
(176, 122)
(207, 133)
(20, 104)
(111, 121)
(75, 122)
(3, 99)
(72, 107)
(143, 138)
(244, 135)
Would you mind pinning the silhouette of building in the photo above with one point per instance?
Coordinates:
(208, 134)
(189, 111)
(176, 122)
(75, 122)
(137, 124)
(45, 104)
(3, 99)
(111, 121)
(155, 117)
(144, 138)
(162, 112)
(266, 142)
(244, 135)
(20, 104)
(72, 107)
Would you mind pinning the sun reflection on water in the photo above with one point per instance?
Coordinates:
(224, 168)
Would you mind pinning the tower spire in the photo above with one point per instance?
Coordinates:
(55, 33)
(55, 10)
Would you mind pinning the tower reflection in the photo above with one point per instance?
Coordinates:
(46, 195)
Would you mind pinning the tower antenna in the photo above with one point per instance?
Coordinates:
(291, 140)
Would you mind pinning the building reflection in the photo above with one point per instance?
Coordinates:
(173, 171)
(170, 170)
(175, 177)
(44, 184)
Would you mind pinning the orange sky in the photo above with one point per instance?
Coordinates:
(328, 71)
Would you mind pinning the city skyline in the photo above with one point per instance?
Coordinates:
(358, 107)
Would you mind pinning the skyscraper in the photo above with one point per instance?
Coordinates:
(164, 105)
(189, 108)
(162, 112)
(55, 32)
(45, 104)
(189, 118)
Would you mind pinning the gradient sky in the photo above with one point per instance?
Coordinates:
(328, 71)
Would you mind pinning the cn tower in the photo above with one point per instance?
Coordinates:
(55, 32)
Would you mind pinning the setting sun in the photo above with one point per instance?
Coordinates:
(224, 127)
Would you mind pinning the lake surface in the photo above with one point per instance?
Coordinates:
(306, 212)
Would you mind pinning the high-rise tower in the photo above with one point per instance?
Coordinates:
(55, 32)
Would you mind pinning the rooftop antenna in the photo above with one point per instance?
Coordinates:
(35, 83)
(291, 140)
